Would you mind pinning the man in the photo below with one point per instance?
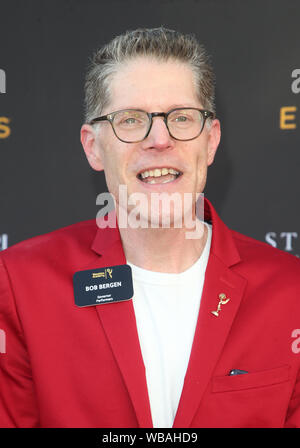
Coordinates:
(207, 337)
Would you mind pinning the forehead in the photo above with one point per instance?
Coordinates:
(153, 85)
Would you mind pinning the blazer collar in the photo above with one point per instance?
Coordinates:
(223, 245)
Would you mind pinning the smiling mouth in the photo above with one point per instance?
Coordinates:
(159, 175)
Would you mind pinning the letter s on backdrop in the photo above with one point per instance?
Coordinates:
(4, 128)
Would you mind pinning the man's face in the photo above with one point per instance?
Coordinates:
(152, 86)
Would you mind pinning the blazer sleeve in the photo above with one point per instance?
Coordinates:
(18, 404)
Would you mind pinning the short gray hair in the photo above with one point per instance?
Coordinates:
(162, 44)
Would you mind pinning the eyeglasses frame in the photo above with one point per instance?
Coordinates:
(110, 117)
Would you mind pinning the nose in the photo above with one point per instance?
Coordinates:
(159, 137)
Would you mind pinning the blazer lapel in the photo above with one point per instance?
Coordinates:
(119, 324)
(211, 331)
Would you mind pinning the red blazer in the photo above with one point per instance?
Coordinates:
(67, 366)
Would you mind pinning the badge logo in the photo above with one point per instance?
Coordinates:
(107, 271)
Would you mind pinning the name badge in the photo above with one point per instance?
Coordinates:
(104, 285)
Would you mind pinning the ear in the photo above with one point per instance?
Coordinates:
(214, 136)
(91, 146)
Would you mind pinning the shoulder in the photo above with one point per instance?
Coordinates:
(265, 258)
(60, 242)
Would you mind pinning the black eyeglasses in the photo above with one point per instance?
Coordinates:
(134, 125)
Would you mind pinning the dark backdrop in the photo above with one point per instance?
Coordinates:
(45, 181)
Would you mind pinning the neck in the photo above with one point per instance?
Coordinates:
(163, 249)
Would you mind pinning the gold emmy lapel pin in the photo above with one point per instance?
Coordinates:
(222, 301)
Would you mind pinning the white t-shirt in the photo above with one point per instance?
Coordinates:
(166, 308)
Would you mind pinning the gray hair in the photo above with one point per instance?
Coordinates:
(162, 44)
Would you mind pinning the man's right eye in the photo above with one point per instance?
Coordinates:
(130, 120)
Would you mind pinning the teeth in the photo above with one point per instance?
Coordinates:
(157, 172)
